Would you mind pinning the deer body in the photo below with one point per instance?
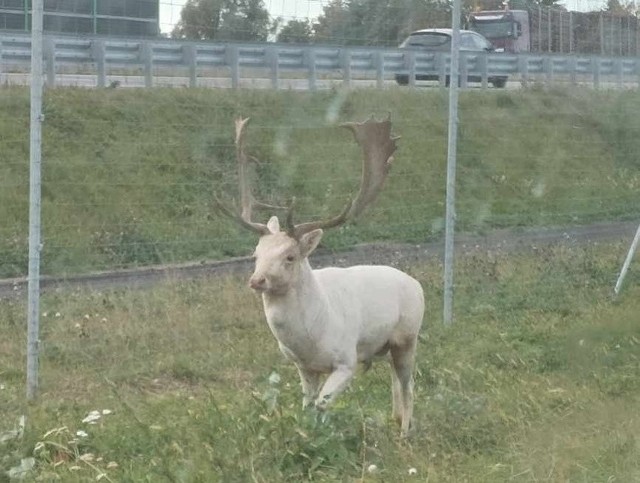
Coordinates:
(327, 321)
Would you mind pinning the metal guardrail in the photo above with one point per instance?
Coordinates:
(275, 62)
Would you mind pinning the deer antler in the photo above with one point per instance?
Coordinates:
(378, 147)
(247, 200)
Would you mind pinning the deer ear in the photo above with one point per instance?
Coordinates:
(274, 225)
(309, 242)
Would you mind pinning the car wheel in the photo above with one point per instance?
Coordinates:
(499, 83)
(402, 80)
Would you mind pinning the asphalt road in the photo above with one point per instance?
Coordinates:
(379, 253)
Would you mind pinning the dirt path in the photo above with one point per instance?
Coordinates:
(378, 253)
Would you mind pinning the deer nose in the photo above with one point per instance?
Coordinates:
(257, 283)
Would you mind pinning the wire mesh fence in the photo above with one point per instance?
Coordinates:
(129, 176)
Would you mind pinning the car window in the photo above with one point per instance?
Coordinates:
(430, 40)
(481, 42)
(467, 42)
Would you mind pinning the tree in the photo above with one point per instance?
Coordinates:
(378, 22)
(223, 20)
(296, 31)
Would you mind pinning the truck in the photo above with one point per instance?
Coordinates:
(508, 30)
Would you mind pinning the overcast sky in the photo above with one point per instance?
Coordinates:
(298, 9)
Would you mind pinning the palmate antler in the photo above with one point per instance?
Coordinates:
(378, 147)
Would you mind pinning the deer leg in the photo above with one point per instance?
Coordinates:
(310, 382)
(334, 385)
(402, 359)
(396, 396)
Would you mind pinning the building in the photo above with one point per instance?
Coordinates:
(126, 18)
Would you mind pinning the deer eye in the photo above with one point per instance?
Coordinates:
(290, 258)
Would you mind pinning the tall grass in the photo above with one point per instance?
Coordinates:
(537, 380)
(129, 176)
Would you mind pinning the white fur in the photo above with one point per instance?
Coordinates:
(328, 320)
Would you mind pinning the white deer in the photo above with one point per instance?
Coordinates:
(328, 320)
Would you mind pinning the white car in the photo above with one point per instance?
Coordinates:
(439, 40)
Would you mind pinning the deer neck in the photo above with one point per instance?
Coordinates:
(301, 310)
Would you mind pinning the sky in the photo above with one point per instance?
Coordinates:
(298, 9)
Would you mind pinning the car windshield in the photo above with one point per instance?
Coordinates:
(427, 39)
(492, 29)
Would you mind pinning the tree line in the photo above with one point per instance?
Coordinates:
(344, 22)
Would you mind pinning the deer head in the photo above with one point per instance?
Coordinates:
(280, 254)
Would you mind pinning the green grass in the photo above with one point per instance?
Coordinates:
(537, 380)
(129, 176)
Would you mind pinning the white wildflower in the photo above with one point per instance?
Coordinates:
(413, 471)
(106, 412)
(92, 417)
(111, 465)
(82, 434)
(372, 468)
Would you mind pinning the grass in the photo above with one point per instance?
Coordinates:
(129, 176)
(537, 380)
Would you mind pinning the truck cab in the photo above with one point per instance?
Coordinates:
(506, 29)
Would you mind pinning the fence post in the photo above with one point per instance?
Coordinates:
(271, 56)
(484, 69)
(619, 72)
(233, 60)
(35, 190)
(463, 70)
(547, 68)
(379, 59)
(595, 65)
(452, 142)
(146, 52)
(190, 58)
(441, 63)
(98, 50)
(573, 67)
(310, 61)
(523, 67)
(411, 61)
(346, 67)
(627, 262)
(50, 55)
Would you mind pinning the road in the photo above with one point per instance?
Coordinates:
(505, 241)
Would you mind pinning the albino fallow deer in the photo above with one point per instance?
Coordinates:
(328, 320)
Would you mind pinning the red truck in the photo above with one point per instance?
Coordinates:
(506, 29)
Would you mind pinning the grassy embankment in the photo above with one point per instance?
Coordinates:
(128, 176)
(536, 381)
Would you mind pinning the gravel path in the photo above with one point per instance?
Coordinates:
(376, 253)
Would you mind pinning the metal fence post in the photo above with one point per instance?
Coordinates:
(484, 69)
(310, 61)
(271, 56)
(595, 66)
(146, 52)
(523, 67)
(35, 151)
(190, 58)
(627, 262)
(346, 67)
(411, 61)
(233, 60)
(98, 51)
(50, 54)
(450, 217)
(379, 60)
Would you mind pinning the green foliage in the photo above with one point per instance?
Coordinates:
(129, 177)
(536, 380)
(243, 20)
